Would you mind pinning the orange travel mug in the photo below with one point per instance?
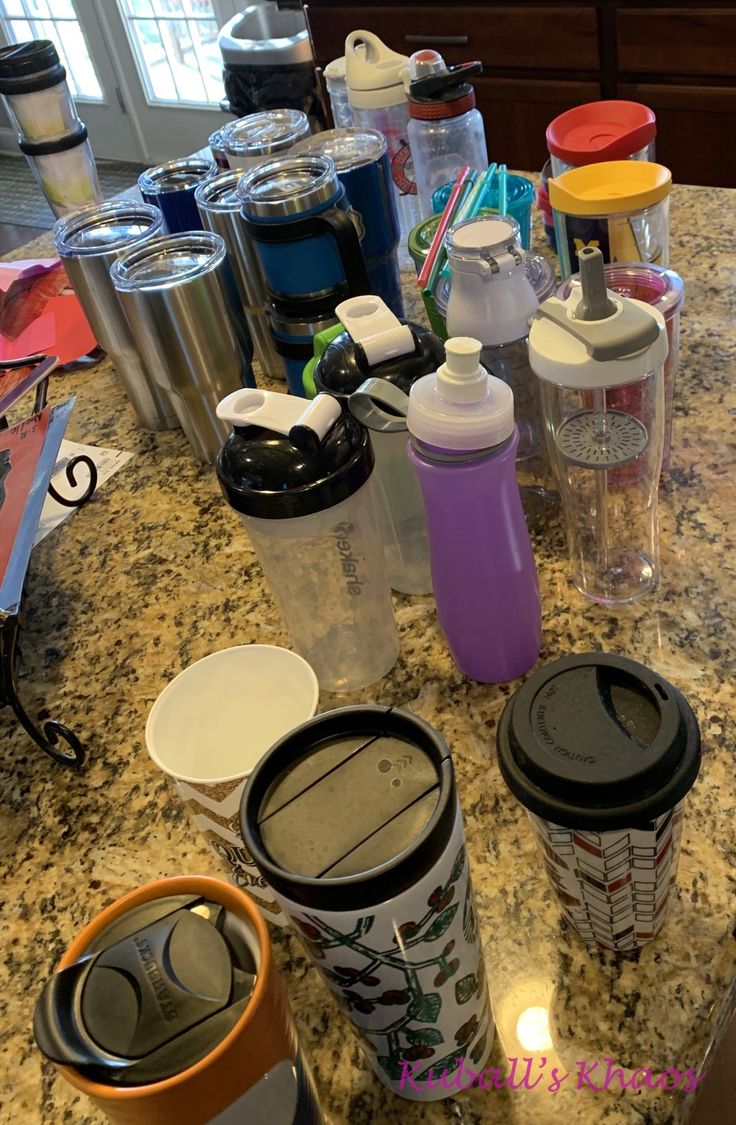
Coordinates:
(167, 1008)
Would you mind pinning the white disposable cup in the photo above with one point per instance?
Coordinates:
(211, 725)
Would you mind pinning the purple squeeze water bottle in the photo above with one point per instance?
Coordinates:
(463, 446)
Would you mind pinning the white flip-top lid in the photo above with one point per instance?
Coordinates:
(461, 407)
(373, 72)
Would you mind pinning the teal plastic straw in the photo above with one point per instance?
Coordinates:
(471, 204)
(502, 174)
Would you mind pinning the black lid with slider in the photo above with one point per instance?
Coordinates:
(153, 993)
(598, 741)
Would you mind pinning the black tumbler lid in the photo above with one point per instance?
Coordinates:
(31, 66)
(154, 993)
(351, 808)
(598, 741)
(344, 365)
(288, 457)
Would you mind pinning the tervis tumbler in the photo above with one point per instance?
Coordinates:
(601, 751)
(299, 474)
(168, 1008)
(354, 820)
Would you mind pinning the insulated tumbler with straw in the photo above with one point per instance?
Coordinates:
(171, 186)
(601, 751)
(219, 208)
(167, 1008)
(88, 242)
(299, 475)
(180, 299)
(354, 820)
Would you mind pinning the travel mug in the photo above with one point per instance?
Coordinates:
(299, 474)
(296, 213)
(262, 136)
(354, 820)
(194, 733)
(34, 87)
(361, 159)
(219, 207)
(88, 242)
(65, 170)
(171, 187)
(602, 751)
(180, 299)
(167, 1008)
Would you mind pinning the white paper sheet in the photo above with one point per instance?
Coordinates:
(108, 461)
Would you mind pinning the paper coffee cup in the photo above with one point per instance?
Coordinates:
(209, 728)
(602, 751)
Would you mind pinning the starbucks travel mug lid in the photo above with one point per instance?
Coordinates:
(351, 808)
(152, 994)
(598, 741)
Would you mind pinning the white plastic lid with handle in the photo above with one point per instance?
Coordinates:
(461, 407)
(373, 72)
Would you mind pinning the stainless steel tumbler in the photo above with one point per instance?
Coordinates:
(88, 242)
(182, 305)
(219, 207)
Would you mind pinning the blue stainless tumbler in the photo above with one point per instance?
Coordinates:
(296, 213)
(171, 188)
(293, 338)
(361, 159)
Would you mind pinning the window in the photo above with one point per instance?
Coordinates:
(21, 20)
(175, 45)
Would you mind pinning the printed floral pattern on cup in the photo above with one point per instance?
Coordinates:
(421, 997)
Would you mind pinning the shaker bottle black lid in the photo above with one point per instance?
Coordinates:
(343, 366)
(598, 741)
(288, 457)
(31, 66)
(155, 991)
(56, 144)
(351, 808)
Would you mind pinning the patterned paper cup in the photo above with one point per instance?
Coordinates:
(601, 752)
(209, 728)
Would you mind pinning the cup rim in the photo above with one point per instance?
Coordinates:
(159, 702)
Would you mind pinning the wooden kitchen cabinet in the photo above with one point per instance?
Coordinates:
(677, 56)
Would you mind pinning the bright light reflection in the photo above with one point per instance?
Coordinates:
(532, 1029)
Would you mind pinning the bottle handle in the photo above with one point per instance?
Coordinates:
(368, 406)
(340, 225)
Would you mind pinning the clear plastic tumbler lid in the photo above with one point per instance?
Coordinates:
(220, 193)
(261, 134)
(176, 175)
(349, 148)
(152, 994)
(104, 227)
(288, 186)
(168, 260)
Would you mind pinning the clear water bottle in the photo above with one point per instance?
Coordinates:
(445, 129)
(337, 88)
(600, 357)
(299, 474)
(463, 447)
(378, 101)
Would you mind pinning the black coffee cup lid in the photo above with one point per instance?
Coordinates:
(153, 993)
(598, 741)
(350, 808)
(28, 67)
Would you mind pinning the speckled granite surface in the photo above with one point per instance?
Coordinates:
(156, 572)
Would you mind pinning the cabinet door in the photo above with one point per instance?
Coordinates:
(518, 36)
(698, 40)
(696, 126)
(517, 111)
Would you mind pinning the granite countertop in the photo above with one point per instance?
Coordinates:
(156, 572)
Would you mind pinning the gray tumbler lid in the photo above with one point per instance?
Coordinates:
(265, 133)
(598, 741)
(104, 227)
(170, 259)
(349, 148)
(289, 186)
(351, 808)
(154, 993)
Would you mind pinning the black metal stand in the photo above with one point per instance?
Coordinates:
(56, 740)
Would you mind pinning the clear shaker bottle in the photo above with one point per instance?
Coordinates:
(600, 361)
(299, 474)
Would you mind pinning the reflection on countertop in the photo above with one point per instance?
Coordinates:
(156, 572)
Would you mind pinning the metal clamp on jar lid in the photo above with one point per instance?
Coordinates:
(288, 187)
(168, 260)
(104, 227)
(152, 994)
(349, 148)
(266, 133)
(485, 245)
(175, 175)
